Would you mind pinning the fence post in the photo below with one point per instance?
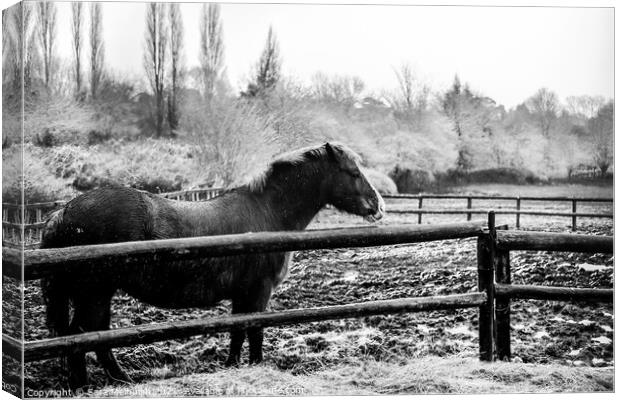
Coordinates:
(518, 212)
(420, 208)
(574, 216)
(502, 306)
(469, 208)
(486, 281)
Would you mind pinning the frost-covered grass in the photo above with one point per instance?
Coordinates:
(428, 375)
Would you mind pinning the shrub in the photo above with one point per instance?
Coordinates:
(39, 183)
(412, 180)
(383, 183)
(233, 140)
(516, 176)
(96, 136)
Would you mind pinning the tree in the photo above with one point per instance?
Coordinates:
(584, 106)
(452, 105)
(96, 48)
(176, 66)
(413, 96)
(76, 33)
(544, 105)
(211, 48)
(155, 58)
(342, 89)
(47, 34)
(20, 43)
(268, 69)
(601, 128)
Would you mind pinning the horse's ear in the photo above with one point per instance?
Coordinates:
(332, 152)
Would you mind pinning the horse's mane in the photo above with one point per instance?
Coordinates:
(296, 158)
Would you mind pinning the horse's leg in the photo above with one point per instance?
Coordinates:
(92, 312)
(100, 320)
(56, 299)
(255, 335)
(76, 362)
(237, 337)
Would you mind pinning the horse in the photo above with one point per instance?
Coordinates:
(285, 197)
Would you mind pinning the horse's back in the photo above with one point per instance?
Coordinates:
(109, 215)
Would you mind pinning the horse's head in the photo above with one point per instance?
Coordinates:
(347, 188)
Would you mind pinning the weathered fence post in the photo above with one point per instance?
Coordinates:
(502, 305)
(420, 208)
(574, 216)
(486, 283)
(469, 208)
(518, 212)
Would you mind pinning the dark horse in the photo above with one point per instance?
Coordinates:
(285, 197)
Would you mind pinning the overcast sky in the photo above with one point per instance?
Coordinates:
(506, 53)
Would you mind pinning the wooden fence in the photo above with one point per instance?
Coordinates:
(30, 231)
(494, 255)
(492, 298)
(109, 258)
(517, 210)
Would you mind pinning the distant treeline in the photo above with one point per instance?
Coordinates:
(447, 136)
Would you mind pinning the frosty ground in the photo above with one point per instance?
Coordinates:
(556, 346)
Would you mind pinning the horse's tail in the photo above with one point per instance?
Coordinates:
(55, 294)
(51, 231)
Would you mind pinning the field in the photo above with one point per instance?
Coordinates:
(556, 346)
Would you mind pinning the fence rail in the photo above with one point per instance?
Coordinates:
(489, 197)
(38, 263)
(554, 293)
(517, 211)
(48, 348)
(34, 214)
(547, 241)
(492, 298)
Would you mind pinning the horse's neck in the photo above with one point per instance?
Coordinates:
(296, 202)
(284, 203)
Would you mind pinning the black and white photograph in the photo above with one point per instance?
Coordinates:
(297, 198)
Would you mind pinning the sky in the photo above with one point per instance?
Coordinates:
(506, 53)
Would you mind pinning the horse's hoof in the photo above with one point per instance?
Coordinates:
(78, 386)
(256, 360)
(232, 363)
(78, 382)
(120, 376)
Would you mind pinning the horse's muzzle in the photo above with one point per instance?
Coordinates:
(375, 215)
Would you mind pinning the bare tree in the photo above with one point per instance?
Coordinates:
(406, 83)
(176, 66)
(544, 105)
(5, 32)
(268, 69)
(338, 89)
(601, 129)
(211, 48)
(76, 33)
(47, 33)
(19, 41)
(413, 95)
(155, 58)
(584, 106)
(96, 48)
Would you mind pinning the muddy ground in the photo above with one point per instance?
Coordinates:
(543, 331)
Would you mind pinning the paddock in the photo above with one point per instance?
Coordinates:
(490, 298)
